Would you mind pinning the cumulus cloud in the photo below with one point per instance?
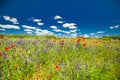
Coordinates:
(113, 27)
(37, 20)
(57, 17)
(100, 32)
(38, 29)
(40, 23)
(7, 26)
(86, 35)
(13, 20)
(66, 32)
(2, 30)
(69, 25)
(73, 30)
(53, 27)
(44, 32)
(73, 35)
(92, 34)
(28, 27)
(60, 22)
(57, 30)
(28, 30)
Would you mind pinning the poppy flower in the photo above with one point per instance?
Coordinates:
(62, 41)
(54, 40)
(1, 37)
(78, 40)
(0, 54)
(84, 44)
(6, 48)
(56, 67)
(12, 46)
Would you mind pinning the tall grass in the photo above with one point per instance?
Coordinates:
(59, 59)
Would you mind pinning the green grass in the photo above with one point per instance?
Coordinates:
(38, 58)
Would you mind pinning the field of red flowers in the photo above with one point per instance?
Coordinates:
(59, 59)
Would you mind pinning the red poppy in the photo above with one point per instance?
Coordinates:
(78, 40)
(62, 41)
(95, 42)
(56, 67)
(84, 44)
(6, 48)
(1, 37)
(0, 54)
(54, 40)
(12, 46)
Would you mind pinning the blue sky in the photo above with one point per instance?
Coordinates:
(71, 18)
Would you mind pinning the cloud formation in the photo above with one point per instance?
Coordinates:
(43, 32)
(28, 27)
(86, 35)
(53, 27)
(100, 32)
(69, 25)
(7, 26)
(57, 17)
(114, 27)
(2, 30)
(13, 20)
(60, 22)
(57, 30)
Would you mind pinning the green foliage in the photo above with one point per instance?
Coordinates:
(111, 37)
(33, 58)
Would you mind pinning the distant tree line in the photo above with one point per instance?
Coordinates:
(111, 37)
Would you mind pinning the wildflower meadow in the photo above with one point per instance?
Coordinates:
(41, 58)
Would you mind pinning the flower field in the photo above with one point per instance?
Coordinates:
(59, 59)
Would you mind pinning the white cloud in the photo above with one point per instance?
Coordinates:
(73, 27)
(13, 20)
(113, 27)
(73, 30)
(37, 20)
(38, 29)
(2, 30)
(60, 22)
(57, 17)
(7, 26)
(73, 35)
(28, 27)
(66, 32)
(57, 30)
(100, 32)
(69, 25)
(40, 23)
(54, 27)
(92, 34)
(44, 32)
(96, 36)
(28, 30)
(6, 18)
(59, 34)
(85, 35)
